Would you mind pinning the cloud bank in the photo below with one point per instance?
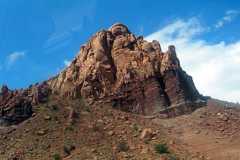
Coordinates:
(214, 67)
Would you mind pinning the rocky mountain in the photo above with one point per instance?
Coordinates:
(116, 67)
(120, 99)
(131, 73)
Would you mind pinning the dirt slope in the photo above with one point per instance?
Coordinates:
(212, 131)
(71, 130)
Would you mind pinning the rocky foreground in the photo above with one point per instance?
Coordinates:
(69, 129)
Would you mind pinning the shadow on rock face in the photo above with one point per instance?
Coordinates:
(16, 106)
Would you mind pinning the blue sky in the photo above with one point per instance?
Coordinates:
(38, 38)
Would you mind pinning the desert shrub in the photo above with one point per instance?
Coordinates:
(54, 107)
(56, 157)
(161, 148)
(135, 127)
(69, 128)
(122, 146)
(68, 148)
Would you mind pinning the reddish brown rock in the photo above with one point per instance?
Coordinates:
(118, 67)
(133, 74)
(16, 105)
(146, 134)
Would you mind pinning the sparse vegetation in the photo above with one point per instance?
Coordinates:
(122, 146)
(82, 101)
(68, 148)
(146, 141)
(56, 157)
(54, 107)
(135, 127)
(84, 105)
(161, 148)
(69, 128)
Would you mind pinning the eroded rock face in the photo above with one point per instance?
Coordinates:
(115, 66)
(133, 74)
(16, 106)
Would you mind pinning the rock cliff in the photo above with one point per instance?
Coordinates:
(115, 67)
(16, 105)
(133, 74)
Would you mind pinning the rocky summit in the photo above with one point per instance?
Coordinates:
(116, 67)
(133, 74)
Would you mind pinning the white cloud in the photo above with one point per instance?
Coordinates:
(67, 62)
(214, 66)
(13, 57)
(230, 15)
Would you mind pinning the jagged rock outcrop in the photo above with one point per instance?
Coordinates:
(115, 66)
(16, 105)
(133, 74)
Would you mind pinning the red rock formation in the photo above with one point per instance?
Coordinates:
(118, 67)
(16, 105)
(133, 74)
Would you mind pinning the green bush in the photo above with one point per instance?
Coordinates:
(56, 157)
(161, 148)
